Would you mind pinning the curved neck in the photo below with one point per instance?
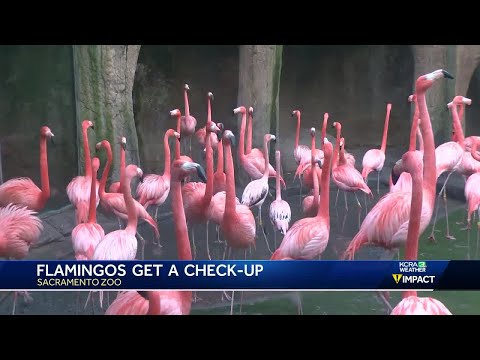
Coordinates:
(297, 135)
(429, 169)
(323, 210)
(125, 182)
(154, 305)
(44, 180)
(166, 151)
(278, 191)
(86, 153)
(415, 130)
(207, 197)
(122, 162)
(474, 150)
(230, 203)
(92, 210)
(314, 145)
(458, 127)
(420, 139)
(220, 157)
(324, 130)
(316, 185)
(177, 142)
(341, 159)
(461, 109)
(385, 129)
(184, 252)
(106, 171)
(187, 107)
(241, 141)
(411, 247)
(266, 171)
(249, 133)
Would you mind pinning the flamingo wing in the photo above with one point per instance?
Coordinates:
(117, 245)
(280, 215)
(302, 153)
(85, 238)
(154, 188)
(255, 193)
(21, 191)
(447, 157)
(414, 305)
(349, 179)
(128, 303)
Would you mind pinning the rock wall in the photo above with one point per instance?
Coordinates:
(36, 88)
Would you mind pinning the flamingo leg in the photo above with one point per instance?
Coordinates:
(345, 199)
(383, 297)
(300, 180)
(336, 197)
(299, 303)
(358, 202)
(194, 248)
(432, 234)
(378, 182)
(447, 235)
(468, 245)
(217, 230)
(141, 242)
(156, 214)
(366, 206)
(208, 249)
(263, 229)
(224, 293)
(119, 223)
(275, 240)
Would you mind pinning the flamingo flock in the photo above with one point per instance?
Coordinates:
(201, 194)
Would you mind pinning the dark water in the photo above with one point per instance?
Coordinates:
(344, 225)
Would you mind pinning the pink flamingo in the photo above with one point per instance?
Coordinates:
(411, 304)
(386, 223)
(78, 189)
(165, 302)
(347, 178)
(115, 186)
(470, 140)
(248, 146)
(201, 133)
(238, 224)
(86, 236)
(114, 203)
(19, 230)
(253, 163)
(465, 165)
(187, 122)
(256, 191)
(197, 195)
(280, 212)
(301, 153)
(310, 203)
(404, 182)
(349, 157)
(219, 178)
(154, 188)
(23, 191)
(122, 244)
(308, 238)
(374, 159)
(305, 167)
(472, 188)
(178, 154)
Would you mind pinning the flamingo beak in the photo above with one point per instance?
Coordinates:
(447, 75)
(201, 173)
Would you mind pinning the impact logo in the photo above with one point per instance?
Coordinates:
(413, 267)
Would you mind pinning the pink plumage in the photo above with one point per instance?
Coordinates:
(20, 228)
(200, 135)
(85, 238)
(448, 157)
(132, 303)
(114, 187)
(280, 212)
(187, 121)
(309, 208)
(414, 305)
(403, 184)
(472, 194)
(217, 207)
(373, 160)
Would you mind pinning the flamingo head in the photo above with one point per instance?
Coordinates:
(181, 169)
(240, 109)
(212, 127)
(337, 125)
(47, 133)
(411, 98)
(95, 164)
(175, 112)
(424, 82)
(132, 171)
(296, 113)
(250, 111)
(123, 142)
(102, 144)
(327, 149)
(341, 144)
(312, 132)
(270, 137)
(87, 124)
(461, 100)
(210, 95)
(411, 162)
(229, 138)
(186, 87)
(171, 132)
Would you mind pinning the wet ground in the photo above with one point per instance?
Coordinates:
(55, 243)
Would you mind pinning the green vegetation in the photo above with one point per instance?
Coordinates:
(367, 303)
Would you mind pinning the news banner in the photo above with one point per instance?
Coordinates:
(302, 275)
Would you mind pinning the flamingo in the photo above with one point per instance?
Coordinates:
(411, 304)
(121, 244)
(78, 189)
(197, 195)
(23, 191)
(280, 212)
(20, 228)
(114, 203)
(347, 178)
(308, 238)
(386, 223)
(472, 188)
(305, 167)
(451, 156)
(238, 223)
(154, 188)
(86, 236)
(301, 153)
(310, 203)
(253, 163)
(374, 159)
(115, 186)
(165, 302)
(248, 146)
(256, 191)
(219, 179)
(201, 133)
(187, 122)
(349, 157)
